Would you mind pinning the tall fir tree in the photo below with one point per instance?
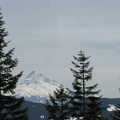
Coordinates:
(58, 104)
(10, 106)
(83, 96)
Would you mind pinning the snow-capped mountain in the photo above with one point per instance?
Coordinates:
(36, 87)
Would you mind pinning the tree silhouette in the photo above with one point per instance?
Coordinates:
(58, 104)
(84, 102)
(10, 106)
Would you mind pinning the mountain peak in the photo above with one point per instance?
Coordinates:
(36, 87)
(33, 73)
(36, 77)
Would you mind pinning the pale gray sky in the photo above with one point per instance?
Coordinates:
(47, 33)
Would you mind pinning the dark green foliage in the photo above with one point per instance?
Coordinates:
(83, 100)
(94, 109)
(58, 104)
(10, 107)
(76, 100)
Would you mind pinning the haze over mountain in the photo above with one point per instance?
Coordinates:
(36, 87)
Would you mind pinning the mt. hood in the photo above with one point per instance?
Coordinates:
(36, 87)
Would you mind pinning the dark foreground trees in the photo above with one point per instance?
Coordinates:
(83, 102)
(10, 107)
(86, 103)
(58, 104)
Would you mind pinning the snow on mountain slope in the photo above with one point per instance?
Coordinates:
(36, 87)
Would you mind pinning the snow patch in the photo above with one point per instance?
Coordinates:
(111, 108)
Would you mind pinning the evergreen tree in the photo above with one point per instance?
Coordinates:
(10, 107)
(58, 104)
(83, 96)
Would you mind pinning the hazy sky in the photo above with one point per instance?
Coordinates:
(47, 33)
